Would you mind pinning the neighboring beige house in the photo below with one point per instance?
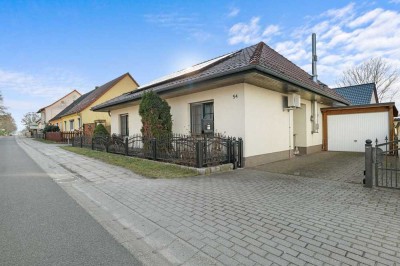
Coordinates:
(254, 93)
(50, 111)
(78, 116)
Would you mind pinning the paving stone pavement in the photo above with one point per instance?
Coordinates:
(243, 217)
(338, 166)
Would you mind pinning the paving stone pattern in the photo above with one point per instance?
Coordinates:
(246, 217)
(339, 166)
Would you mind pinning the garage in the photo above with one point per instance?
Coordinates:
(346, 128)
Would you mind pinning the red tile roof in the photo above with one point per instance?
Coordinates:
(87, 99)
(259, 57)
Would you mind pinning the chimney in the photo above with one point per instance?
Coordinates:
(314, 57)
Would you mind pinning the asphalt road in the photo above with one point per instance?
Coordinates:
(41, 225)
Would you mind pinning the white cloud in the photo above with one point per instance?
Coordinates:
(394, 1)
(26, 92)
(233, 12)
(251, 32)
(187, 24)
(346, 37)
(52, 84)
(270, 30)
(339, 13)
(366, 18)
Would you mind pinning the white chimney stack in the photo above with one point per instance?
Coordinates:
(314, 57)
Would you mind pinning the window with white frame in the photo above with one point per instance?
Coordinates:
(124, 129)
(198, 112)
(79, 123)
(65, 126)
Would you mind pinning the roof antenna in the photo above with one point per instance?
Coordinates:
(314, 58)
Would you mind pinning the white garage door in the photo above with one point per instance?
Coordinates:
(348, 132)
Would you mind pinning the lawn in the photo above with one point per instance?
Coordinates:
(139, 166)
(46, 141)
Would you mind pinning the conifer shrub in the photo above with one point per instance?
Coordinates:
(100, 130)
(156, 116)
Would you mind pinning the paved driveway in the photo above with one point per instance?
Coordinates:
(243, 217)
(338, 166)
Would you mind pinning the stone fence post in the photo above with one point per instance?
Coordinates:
(368, 163)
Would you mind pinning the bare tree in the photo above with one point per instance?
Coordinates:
(7, 124)
(30, 119)
(375, 70)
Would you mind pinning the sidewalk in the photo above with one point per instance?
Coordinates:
(86, 180)
(244, 217)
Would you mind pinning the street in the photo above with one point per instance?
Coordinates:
(40, 224)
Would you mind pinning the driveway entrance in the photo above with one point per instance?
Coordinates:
(338, 166)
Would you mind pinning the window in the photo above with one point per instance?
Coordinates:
(124, 125)
(200, 111)
(65, 126)
(71, 125)
(79, 123)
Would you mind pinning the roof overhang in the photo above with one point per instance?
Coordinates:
(255, 75)
(366, 108)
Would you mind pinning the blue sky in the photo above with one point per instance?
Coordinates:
(48, 48)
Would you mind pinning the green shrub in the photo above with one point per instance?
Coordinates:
(100, 130)
(51, 128)
(156, 116)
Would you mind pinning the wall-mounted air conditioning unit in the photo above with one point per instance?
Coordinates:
(294, 101)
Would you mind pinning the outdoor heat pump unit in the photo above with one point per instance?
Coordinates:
(207, 126)
(294, 101)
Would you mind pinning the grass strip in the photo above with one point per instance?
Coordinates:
(147, 168)
(46, 141)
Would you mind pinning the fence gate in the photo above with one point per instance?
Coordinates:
(385, 164)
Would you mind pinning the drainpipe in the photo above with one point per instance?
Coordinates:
(290, 132)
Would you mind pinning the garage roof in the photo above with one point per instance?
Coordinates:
(364, 108)
(358, 94)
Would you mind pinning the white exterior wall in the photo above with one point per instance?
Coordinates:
(241, 110)
(54, 109)
(300, 126)
(373, 100)
(314, 138)
(228, 111)
(268, 128)
(134, 120)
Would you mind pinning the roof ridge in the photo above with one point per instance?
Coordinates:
(348, 86)
(217, 59)
(65, 96)
(255, 58)
(284, 57)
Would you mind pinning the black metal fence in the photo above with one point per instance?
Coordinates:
(382, 163)
(195, 151)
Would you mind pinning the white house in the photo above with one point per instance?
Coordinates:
(254, 93)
